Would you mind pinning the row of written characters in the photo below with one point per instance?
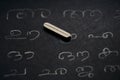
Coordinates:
(82, 56)
(93, 14)
(82, 71)
(35, 34)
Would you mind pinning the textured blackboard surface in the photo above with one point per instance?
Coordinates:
(95, 25)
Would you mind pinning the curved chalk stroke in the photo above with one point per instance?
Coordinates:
(85, 71)
(82, 53)
(20, 12)
(106, 52)
(70, 56)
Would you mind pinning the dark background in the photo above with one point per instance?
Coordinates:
(47, 47)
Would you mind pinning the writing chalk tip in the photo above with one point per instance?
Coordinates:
(56, 31)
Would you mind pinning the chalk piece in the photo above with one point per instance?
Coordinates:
(57, 30)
